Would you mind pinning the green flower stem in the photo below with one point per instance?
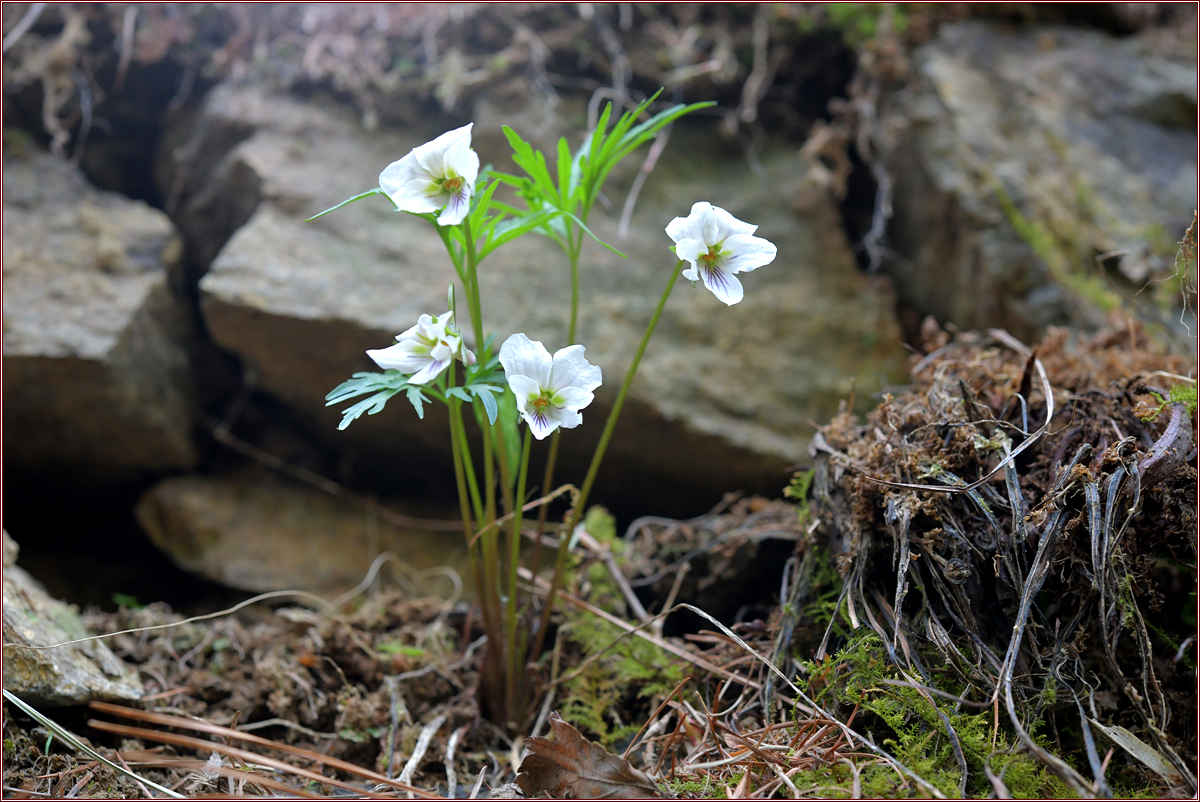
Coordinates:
(468, 493)
(475, 309)
(574, 258)
(464, 450)
(459, 476)
(576, 244)
(501, 451)
(581, 501)
(489, 478)
(487, 515)
(515, 656)
(543, 511)
(473, 304)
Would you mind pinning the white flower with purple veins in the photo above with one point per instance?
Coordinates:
(425, 350)
(550, 390)
(716, 245)
(437, 175)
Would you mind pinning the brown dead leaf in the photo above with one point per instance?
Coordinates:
(572, 767)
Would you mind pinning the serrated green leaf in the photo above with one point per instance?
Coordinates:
(370, 406)
(598, 135)
(532, 162)
(365, 382)
(642, 133)
(513, 228)
(515, 181)
(564, 172)
(480, 206)
(418, 400)
(458, 392)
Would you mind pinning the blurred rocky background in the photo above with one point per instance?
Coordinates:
(172, 325)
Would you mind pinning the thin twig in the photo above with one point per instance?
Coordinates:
(180, 722)
(418, 753)
(70, 738)
(22, 27)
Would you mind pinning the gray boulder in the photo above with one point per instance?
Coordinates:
(1025, 155)
(97, 385)
(725, 396)
(67, 675)
(251, 531)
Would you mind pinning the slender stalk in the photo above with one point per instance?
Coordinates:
(516, 656)
(574, 258)
(543, 511)
(473, 304)
(476, 311)
(597, 458)
(459, 477)
(458, 449)
(464, 448)
(489, 477)
(499, 647)
(575, 238)
(501, 451)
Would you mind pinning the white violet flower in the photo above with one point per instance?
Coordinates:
(717, 245)
(437, 175)
(550, 391)
(425, 350)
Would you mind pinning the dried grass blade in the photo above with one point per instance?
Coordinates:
(451, 748)
(898, 517)
(156, 761)
(224, 732)
(814, 708)
(662, 644)
(1035, 436)
(157, 736)
(1033, 584)
(70, 738)
(418, 753)
(1146, 754)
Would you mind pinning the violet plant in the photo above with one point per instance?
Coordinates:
(441, 182)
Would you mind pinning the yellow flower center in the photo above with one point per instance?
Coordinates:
(712, 255)
(452, 184)
(541, 403)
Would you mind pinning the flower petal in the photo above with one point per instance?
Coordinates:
(726, 225)
(411, 333)
(426, 327)
(722, 284)
(570, 369)
(540, 424)
(430, 371)
(443, 349)
(460, 160)
(418, 196)
(689, 250)
(525, 389)
(399, 357)
(457, 207)
(525, 357)
(431, 155)
(566, 418)
(748, 253)
(682, 228)
(572, 398)
(399, 173)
